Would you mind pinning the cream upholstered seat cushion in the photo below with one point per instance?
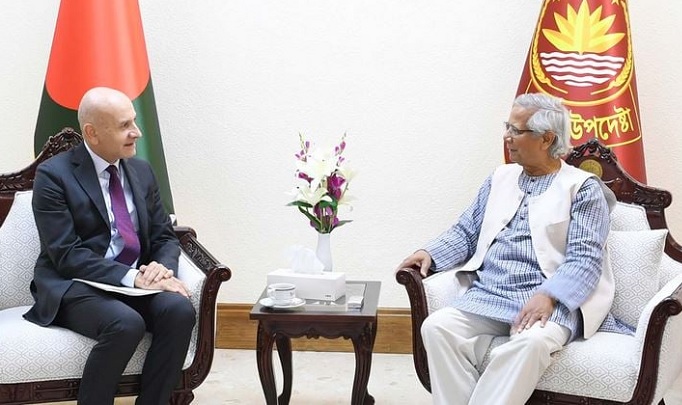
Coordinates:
(29, 352)
(607, 364)
(603, 366)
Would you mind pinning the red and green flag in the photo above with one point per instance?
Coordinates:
(582, 52)
(101, 43)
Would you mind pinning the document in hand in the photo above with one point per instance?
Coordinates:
(118, 289)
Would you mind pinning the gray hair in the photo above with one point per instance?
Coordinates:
(549, 114)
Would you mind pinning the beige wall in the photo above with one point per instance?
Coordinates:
(421, 89)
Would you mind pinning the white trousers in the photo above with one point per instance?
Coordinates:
(456, 343)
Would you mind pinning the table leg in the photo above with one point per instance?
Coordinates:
(284, 351)
(264, 343)
(363, 345)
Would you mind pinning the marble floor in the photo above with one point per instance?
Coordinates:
(320, 378)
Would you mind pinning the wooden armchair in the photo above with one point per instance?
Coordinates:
(44, 364)
(607, 368)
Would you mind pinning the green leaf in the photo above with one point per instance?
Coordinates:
(300, 204)
(345, 221)
(311, 217)
(326, 204)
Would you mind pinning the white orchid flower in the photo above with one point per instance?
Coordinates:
(304, 192)
(346, 199)
(347, 173)
(318, 166)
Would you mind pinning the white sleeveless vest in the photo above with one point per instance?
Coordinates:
(548, 216)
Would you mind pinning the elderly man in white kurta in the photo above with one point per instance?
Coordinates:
(531, 245)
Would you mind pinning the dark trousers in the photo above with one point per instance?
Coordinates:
(118, 322)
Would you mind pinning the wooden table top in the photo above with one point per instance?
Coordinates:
(313, 312)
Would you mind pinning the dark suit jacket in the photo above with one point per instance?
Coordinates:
(75, 231)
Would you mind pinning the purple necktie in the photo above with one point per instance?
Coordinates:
(122, 221)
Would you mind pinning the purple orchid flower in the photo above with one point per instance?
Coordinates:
(335, 186)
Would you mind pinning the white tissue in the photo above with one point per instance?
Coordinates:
(304, 260)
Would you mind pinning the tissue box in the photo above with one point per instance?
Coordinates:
(328, 286)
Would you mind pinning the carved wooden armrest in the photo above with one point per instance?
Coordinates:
(216, 274)
(651, 331)
(412, 279)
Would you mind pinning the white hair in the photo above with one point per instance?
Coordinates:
(549, 114)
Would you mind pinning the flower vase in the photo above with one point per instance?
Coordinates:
(324, 251)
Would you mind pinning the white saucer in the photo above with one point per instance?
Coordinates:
(295, 303)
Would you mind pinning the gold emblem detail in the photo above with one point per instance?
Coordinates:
(581, 53)
(583, 32)
(593, 167)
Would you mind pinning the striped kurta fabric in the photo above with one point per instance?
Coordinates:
(510, 273)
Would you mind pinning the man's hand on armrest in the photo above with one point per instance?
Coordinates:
(420, 258)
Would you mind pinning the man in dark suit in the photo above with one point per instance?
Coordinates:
(107, 225)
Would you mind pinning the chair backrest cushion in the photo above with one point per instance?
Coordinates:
(635, 258)
(628, 217)
(19, 249)
(635, 253)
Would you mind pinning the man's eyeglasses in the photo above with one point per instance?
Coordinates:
(513, 131)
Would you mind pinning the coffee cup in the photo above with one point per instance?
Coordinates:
(281, 293)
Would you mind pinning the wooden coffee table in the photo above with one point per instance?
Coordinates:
(278, 327)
